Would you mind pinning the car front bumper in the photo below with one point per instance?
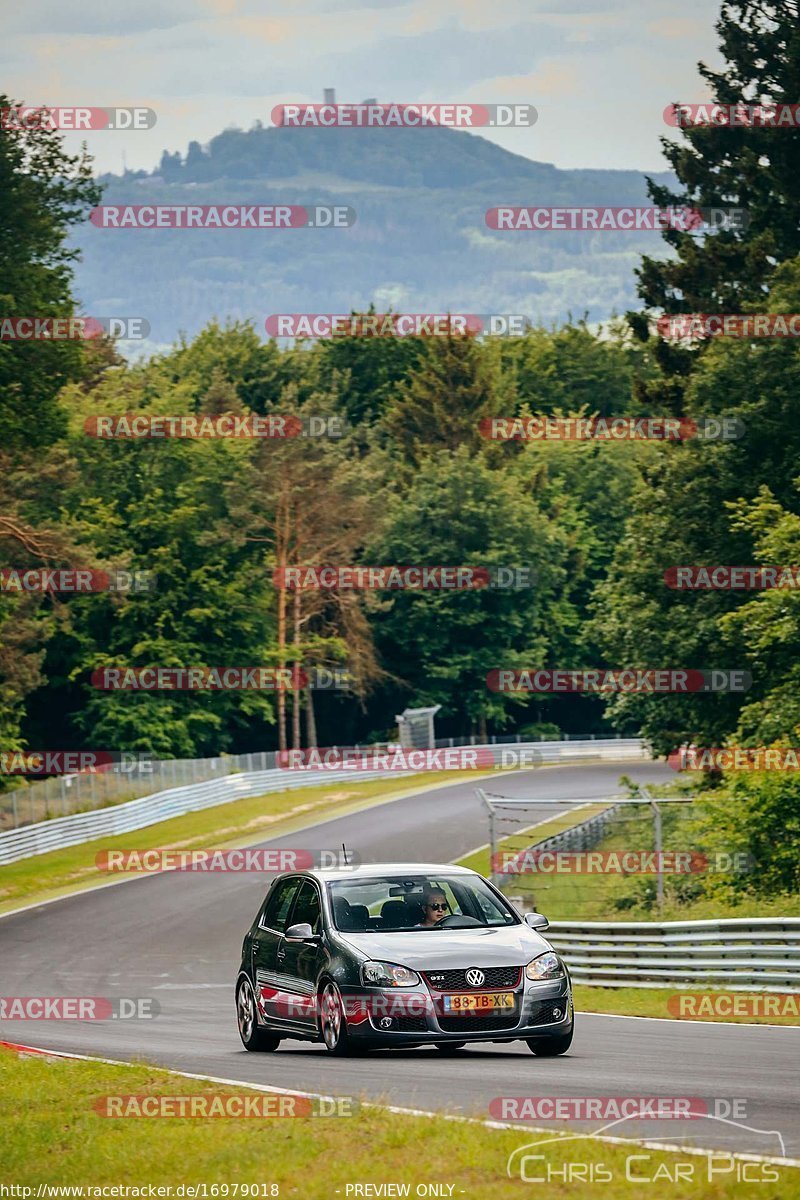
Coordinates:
(416, 1016)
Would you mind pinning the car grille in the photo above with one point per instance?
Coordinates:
(496, 977)
(488, 1022)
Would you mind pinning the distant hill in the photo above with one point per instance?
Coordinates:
(420, 242)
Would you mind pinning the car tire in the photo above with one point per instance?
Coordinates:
(332, 1021)
(549, 1047)
(253, 1037)
(450, 1047)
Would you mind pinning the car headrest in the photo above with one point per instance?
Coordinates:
(359, 916)
(394, 913)
(414, 912)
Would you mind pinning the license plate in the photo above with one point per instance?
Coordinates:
(479, 1003)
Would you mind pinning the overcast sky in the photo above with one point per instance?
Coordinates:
(600, 72)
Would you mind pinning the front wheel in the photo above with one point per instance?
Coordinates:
(253, 1037)
(333, 1025)
(551, 1046)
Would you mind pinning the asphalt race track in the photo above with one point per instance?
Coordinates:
(177, 937)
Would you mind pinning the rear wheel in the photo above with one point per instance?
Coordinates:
(332, 1023)
(253, 1037)
(551, 1046)
(450, 1047)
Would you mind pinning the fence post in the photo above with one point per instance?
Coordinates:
(659, 863)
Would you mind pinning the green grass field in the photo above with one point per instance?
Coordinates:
(52, 1134)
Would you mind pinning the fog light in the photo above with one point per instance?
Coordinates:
(556, 1013)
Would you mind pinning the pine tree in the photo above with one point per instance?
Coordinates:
(735, 166)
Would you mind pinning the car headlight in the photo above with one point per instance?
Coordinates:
(386, 974)
(546, 966)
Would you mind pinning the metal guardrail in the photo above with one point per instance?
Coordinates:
(39, 838)
(137, 775)
(738, 953)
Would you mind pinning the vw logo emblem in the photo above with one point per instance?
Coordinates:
(475, 977)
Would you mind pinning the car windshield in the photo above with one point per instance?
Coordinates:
(402, 902)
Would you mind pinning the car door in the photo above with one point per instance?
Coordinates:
(266, 943)
(299, 962)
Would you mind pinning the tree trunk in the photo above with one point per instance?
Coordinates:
(482, 734)
(311, 721)
(297, 667)
(282, 666)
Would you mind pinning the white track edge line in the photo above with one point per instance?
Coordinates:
(415, 1112)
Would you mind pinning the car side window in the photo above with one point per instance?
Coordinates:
(307, 907)
(277, 907)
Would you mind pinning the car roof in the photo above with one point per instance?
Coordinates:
(399, 870)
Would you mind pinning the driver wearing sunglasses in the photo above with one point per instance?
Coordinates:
(436, 908)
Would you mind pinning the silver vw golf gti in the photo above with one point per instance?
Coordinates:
(399, 954)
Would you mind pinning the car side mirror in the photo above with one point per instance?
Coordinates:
(536, 920)
(301, 933)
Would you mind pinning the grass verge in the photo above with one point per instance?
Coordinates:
(616, 896)
(240, 823)
(521, 839)
(653, 1002)
(52, 1134)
